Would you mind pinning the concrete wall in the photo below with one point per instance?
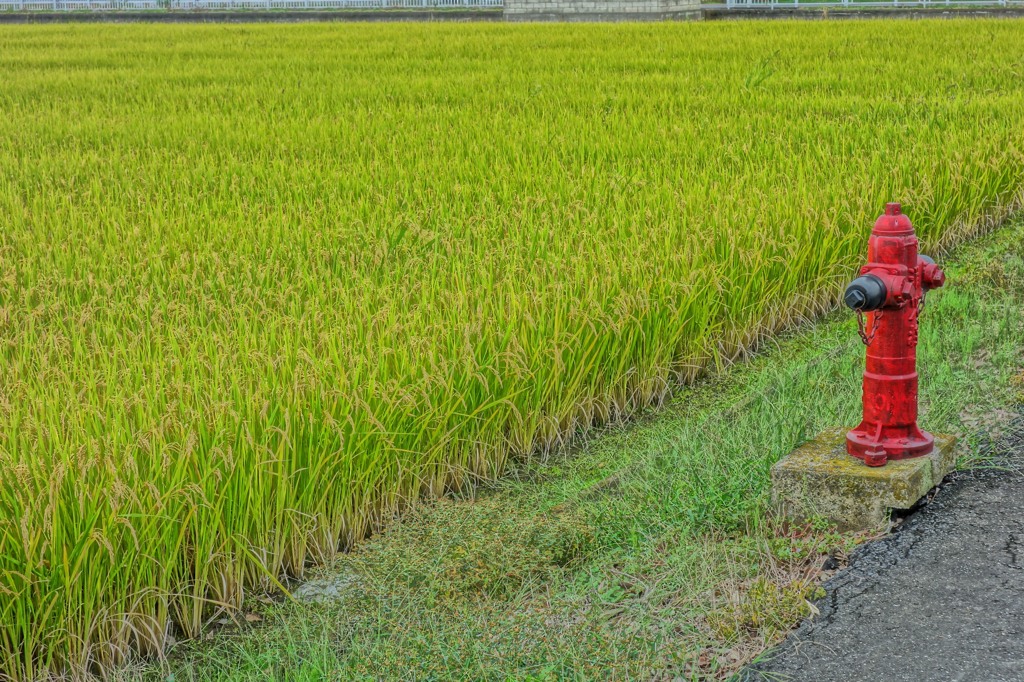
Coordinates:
(597, 10)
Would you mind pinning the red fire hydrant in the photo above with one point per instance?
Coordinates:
(890, 291)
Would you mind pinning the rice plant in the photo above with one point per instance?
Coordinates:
(260, 286)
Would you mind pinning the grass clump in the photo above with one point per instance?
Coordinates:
(485, 548)
(764, 609)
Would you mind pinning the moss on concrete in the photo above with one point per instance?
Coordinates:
(820, 480)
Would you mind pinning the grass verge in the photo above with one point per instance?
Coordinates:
(646, 553)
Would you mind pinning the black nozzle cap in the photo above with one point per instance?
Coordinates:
(865, 293)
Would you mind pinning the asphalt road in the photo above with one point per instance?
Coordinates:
(942, 598)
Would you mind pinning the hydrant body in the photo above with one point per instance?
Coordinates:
(890, 292)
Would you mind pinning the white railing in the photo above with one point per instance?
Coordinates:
(75, 5)
(866, 4)
(135, 5)
(323, 4)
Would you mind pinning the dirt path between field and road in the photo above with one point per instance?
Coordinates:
(942, 598)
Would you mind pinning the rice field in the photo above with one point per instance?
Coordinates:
(260, 286)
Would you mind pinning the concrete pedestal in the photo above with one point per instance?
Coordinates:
(819, 480)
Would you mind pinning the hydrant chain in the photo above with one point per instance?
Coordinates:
(864, 336)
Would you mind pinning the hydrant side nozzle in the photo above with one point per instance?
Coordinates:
(866, 293)
(932, 276)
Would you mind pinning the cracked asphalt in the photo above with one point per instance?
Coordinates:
(942, 598)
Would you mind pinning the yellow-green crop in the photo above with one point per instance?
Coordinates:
(260, 285)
